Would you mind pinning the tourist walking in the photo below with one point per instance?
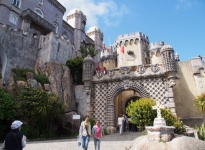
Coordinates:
(120, 123)
(97, 133)
(15, 140)
(85, 132)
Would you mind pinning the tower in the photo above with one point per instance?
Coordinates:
(169, 65)
(88, 72)
(97, 36)
(77, 20)
(132, 49)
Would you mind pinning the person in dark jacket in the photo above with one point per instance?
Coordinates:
(15, 140)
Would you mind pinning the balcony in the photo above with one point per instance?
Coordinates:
(38, 20)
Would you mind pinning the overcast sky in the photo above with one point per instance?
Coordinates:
(180, 23)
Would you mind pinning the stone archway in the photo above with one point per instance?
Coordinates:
(122, 101)
(3, 62)
(113, 91)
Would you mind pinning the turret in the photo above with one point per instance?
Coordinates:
(77, 20)
(88, 72)
(168, 60)
(155, 55)
(88, 68)
(108, 58)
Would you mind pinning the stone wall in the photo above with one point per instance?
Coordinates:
(185, 92)
(80, 96)
(21, 49)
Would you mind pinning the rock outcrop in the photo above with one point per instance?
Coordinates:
(61, 83)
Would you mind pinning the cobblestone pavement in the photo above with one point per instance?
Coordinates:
(109, 142)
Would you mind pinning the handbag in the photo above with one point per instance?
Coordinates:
(79, 140)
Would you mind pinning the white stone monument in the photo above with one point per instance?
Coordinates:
(160, 131)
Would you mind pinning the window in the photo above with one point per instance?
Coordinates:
(65, 34)
(56, 17)
(16, 3)
(40, 2)
(39, 12)
(56, 27)
(13, 18)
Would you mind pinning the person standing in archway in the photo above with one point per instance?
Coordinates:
(120, 123)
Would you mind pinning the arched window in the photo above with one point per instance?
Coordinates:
(16, 3)
(13, 18)
(39, 12)
(55, 24)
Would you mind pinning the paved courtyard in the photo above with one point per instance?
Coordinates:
(109, 142)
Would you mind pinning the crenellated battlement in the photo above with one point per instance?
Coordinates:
(156, 45)
(132, 36)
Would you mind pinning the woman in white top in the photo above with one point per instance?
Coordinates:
(120, 123)
(85, 132)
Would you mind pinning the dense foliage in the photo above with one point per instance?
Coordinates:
(76, 69)
(41, 111)
(7, 111)
(141, 112)
(142, 115)
(173, 120)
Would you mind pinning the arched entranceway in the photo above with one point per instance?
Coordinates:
(3, 62)
(122, 100)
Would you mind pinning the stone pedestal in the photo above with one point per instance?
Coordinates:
(158, 122)
(160, 132)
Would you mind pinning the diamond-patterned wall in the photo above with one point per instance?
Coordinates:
(105, 94)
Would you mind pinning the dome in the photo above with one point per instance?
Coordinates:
(94, 28)
(88, 58)
(166, 48)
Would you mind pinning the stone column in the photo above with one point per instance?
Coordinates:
(88, 72)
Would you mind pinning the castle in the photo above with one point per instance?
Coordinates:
(33, 33)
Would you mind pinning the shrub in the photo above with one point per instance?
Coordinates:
(43, 79)
(172, 120)
(141, 112)
(7, 112)
(20, 74)
(76, 69)
(201, 132)
(41, 111)
(142, 115)
(200, 103)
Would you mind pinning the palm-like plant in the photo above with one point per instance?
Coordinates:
(200, 103)
(88, 50)
(39, 110)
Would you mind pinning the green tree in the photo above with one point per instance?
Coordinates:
(88, 50)
(200, 104)
(40, 110)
